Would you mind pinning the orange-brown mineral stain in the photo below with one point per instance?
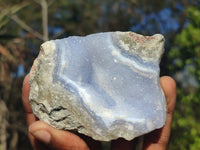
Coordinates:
(140, 39)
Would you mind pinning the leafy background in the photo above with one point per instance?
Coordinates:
(25, 25)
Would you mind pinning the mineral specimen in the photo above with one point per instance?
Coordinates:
(104, 85)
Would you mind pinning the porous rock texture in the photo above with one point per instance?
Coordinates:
(104, 85)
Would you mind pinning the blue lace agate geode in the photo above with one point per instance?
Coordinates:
(104, 85)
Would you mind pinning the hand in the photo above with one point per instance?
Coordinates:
(45, 137)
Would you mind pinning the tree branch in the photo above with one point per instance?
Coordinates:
(37, 1)
(26, 27)
(58, 34)
(44, 6)
(3, 135)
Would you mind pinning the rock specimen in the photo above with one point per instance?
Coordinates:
(103, 85)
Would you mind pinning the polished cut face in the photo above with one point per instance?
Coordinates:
(104, 85)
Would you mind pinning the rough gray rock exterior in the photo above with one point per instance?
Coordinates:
(104, 85)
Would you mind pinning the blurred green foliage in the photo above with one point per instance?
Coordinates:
(185, 55)
(21, 36)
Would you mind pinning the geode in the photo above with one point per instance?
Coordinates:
(103, 85)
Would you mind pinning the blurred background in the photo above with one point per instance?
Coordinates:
(26, 24)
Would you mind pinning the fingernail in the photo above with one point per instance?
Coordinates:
(42, 136)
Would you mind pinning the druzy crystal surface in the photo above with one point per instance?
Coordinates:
(104, 85)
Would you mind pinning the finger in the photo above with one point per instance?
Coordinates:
(169, 87)
(56, 139)
(122, 144)
(30, 117)
(158, 139)
(25, 95)
(25, 99)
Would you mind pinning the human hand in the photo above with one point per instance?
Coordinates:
(45, 137)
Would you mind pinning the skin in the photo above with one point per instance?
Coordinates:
(45, 137)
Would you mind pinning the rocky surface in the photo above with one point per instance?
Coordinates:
(104, 85)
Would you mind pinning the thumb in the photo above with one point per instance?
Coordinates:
(54, 138)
